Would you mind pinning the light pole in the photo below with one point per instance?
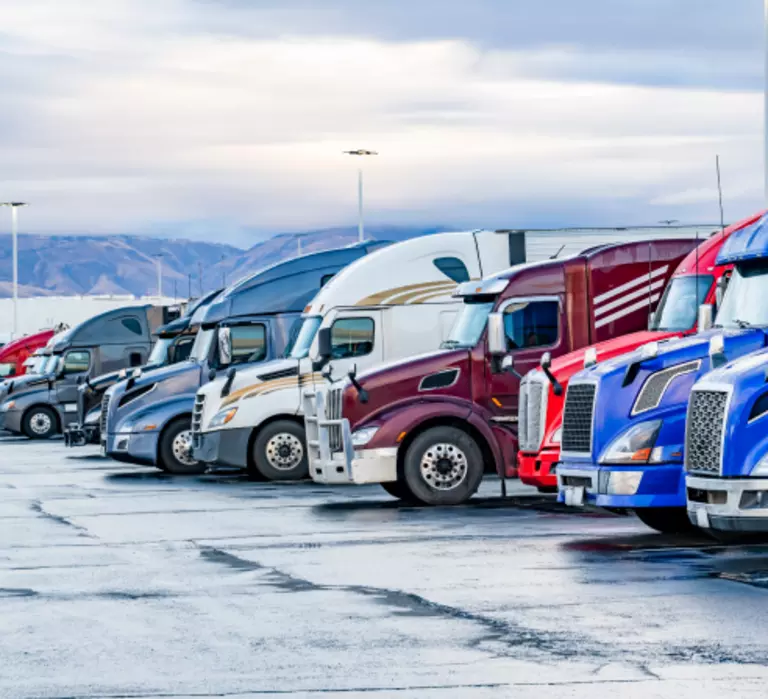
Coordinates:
(362, 152)
(159, 259)
(15, 236)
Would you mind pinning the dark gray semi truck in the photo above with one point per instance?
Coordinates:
(114, 340)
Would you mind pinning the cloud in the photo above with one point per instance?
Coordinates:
(226, 120)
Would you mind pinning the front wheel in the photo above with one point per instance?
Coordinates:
(175, 449)
(280, 453)
(40, 423)
(399, 490)
(443, 466)
(667, 520)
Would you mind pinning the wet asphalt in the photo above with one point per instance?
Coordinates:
(123, 582)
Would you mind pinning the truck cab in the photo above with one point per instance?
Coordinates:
(14, 355)
(173, 344)
(147, 418)
(429, 427)
(106, 342)
(624, 419)
(395, 303)
(698, 280)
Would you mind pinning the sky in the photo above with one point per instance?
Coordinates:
(225, 120)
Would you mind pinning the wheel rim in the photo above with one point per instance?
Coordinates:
(284, 451)
(40, 423)
(182, 448)
(444, 466)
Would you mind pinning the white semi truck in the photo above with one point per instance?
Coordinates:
(394, 303)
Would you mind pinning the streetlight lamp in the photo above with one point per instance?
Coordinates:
(15, 235)
(362, 152)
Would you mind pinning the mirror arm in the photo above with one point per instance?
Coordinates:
(362, 394)
(556, 386)
(227, 387)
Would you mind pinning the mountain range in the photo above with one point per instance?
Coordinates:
(66, 265)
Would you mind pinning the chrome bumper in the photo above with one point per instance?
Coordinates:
(717, 503)
(344, 465)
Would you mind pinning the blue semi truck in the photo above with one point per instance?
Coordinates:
(726, 441)
(146, 419)
(624, 419)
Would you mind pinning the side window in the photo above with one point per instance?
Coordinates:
(352, 337)
(326, 278)
(132, 324)
(531, 324)
(182, 349)
(77, 362)
(453, 268)
(249, 343)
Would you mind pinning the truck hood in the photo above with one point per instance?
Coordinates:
(395, 382)
(621, 380)
(24, 383)
(35, 392)
(104, 381)
(277, 374)
(569, 364)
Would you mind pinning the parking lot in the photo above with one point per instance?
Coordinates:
(118, 582)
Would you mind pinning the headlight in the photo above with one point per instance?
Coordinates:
(223, 417)
(10, 405)
(362, 437)
(93, 416)
(634, 446)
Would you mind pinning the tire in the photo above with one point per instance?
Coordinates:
(399, 490)
(667, 520)
(279, 452)
(174, 441)
(40, 423)
(443, 466)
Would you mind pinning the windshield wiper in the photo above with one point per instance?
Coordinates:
(743, 324)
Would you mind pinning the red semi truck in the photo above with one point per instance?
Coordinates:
(16, 352)
(696, 281)
(426, 428)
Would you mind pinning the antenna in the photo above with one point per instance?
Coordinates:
(720, 195)
(557, 254)
(696, 285)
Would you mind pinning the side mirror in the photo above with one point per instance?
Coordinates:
(651, 320)
(508, 365)
(717, 356)
(546, 360)
(225, 346)
(720, 287)
(497, 341)
(324, 344)
(706, 313)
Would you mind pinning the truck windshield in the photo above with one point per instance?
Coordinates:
(304, 338)
(744, 303)
(159, 354)
(202, 345)
(679, 307)
(469, 325)
(48, 364)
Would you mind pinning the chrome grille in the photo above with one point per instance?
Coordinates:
(532, 413)
(577, 417)
(522, 415)
(197, 414)
(104, 414)
(333, 412)
(704, 431)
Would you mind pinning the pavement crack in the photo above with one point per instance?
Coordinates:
(37, 507)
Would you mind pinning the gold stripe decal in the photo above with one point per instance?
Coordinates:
(265, 387)
(392, 296)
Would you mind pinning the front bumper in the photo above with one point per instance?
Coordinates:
(225, 447)
(79, 435)
(132, 447)
(11, 420)
(716, 503)
(660, 485)
(538, 469)
(365, 466)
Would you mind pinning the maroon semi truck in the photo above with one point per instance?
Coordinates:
(428, 427)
